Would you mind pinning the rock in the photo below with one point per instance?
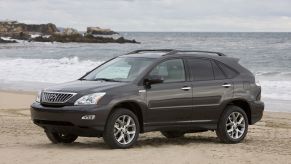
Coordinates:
(46, 29)
(8, 28)
(20, 36)
(41, 39)
(70, 31)
(123, 40)
(100, 31)
(7, 41)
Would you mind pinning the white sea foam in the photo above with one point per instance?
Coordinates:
(277, 90)
(44, 70)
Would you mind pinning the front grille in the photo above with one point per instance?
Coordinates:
(56, 97)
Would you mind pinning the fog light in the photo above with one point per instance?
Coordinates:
(88, 117)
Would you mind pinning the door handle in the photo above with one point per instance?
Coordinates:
(226, 85)
(186, 88)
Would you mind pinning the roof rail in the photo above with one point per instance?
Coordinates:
(151, 50)
(173, 51)
(210, 52)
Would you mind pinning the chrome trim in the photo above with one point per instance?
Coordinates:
(173, 122)
(193, 121)
(58, 99)
(183, 106)
(226, 85)
(186, 88)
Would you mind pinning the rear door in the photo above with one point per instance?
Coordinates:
(210, 88)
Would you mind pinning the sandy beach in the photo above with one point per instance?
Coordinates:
(269, 141)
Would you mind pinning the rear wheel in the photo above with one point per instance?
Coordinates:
(233, 125)
(56, 137)
(172, 134)
(122, 129)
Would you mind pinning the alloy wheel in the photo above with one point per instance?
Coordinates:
(235, 125)
(124, 129)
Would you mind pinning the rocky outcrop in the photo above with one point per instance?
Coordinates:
(50, 33)
(8, 28)
(100, 31)
(79, 38)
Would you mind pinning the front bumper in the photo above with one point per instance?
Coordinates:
(67, 119)
(257, 110)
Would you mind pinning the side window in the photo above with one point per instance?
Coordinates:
(201, 69)
(171, 70)
(218, 74)
(230, 73)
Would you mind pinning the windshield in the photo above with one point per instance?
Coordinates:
(120, 69)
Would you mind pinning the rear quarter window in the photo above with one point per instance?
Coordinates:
(228, 71)
(218, 73)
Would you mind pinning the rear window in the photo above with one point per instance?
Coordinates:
(201, 69)
(229, 72)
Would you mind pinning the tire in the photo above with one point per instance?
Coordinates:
(172, 134)
(122, 129)
(56, 137)
(233, 125)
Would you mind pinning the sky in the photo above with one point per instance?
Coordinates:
(155, 15)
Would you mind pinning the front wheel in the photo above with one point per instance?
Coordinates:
(233, 125)
(56, 137)
(122, 129)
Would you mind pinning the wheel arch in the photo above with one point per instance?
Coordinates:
(244, 105)
(132, 106)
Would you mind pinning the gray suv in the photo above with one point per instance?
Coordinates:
(171, 91)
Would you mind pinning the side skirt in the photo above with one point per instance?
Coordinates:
(181, 126)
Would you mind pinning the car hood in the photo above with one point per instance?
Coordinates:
(82, 86)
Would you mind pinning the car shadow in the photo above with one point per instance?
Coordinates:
(154, 142)
(162, 141)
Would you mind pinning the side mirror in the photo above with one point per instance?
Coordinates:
(154, 79)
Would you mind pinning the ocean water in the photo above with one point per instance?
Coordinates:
(31, 66)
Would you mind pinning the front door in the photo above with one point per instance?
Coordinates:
(169, 102)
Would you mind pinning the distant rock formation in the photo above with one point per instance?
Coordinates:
(79, 38)
(50, 33)
(100, 31)
(8, 28)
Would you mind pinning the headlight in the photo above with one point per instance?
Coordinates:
(90, 99)
(38, 97)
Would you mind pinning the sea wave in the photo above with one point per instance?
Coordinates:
(44, 70)
(276, 89)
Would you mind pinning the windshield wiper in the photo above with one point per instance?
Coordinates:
(105, 79)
